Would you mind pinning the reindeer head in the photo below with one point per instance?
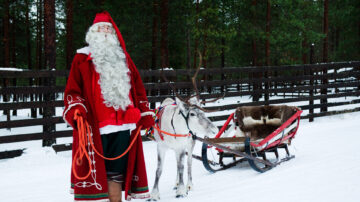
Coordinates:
(195, 118)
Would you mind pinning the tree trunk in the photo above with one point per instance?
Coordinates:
(188, 49)
(164, 7)
(254, 52)
(222, 55)
(28, 36)
(267, 46)
(39, 47)
(6, 34)
(204, 52)
(154, 46)
(29, 59)
(13, 35)
(6, 40)
(154, 34)
(325, 52)
(337, 39)
(13, 48)
(50, 63)
(304, 47)
(256, 86)
(39, 34)
(49, 34)
(325, 31)
(69, 33)
(223, 63)
(196, 39)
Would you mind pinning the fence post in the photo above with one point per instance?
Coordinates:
(15, 98)
(311, 93)
(6, 98)
(33, 98)
(222, 89)
(323, 101)
(49, 111)
(266, 86)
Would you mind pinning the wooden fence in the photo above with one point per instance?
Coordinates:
(316, 88)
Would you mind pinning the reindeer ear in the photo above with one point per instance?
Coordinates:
(181, 104)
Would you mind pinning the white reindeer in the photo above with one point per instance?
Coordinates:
(182, 118)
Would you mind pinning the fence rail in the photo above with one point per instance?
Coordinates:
(42, 92)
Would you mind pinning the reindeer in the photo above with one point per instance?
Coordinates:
(185, 117)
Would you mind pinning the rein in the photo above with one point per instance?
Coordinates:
(85, 137)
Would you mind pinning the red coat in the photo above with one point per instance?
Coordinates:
(79, 94)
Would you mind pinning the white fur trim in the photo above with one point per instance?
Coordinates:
(101, 23)
(85, 50)
(147, 113)
(138, 196)
(69, 107)
(113, 128)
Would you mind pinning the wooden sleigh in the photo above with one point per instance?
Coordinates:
(253, 133)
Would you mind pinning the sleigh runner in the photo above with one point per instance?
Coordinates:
(248, 138)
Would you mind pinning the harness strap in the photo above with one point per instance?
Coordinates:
(172, 122)
(171, 134)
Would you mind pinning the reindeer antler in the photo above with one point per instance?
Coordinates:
(193, 79)
(213, 100)
(173, 88)
(197, 94)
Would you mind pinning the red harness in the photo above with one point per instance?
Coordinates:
(158, 113)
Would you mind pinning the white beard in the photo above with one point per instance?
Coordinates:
(110, 63)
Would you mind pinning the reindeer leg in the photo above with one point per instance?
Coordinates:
(181, 191)
(155, 195)
(190, 185)
(177, 180)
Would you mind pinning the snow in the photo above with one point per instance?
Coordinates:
(326, 168)
(10, 69)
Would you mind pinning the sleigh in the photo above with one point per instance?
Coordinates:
(252, 134)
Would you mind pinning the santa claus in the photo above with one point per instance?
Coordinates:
(104, 88)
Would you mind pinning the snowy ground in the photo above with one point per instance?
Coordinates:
(326, 168)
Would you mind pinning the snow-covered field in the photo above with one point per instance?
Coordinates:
(326, 168)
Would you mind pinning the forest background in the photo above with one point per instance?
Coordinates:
(44, 34)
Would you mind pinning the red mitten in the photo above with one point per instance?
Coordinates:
(146, 121)
(70, 114)
(132, 115)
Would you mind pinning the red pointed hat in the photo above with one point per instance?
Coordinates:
(105, 17)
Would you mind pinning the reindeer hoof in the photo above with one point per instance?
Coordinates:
(180, 196)
(181, 192)
(154, 197)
